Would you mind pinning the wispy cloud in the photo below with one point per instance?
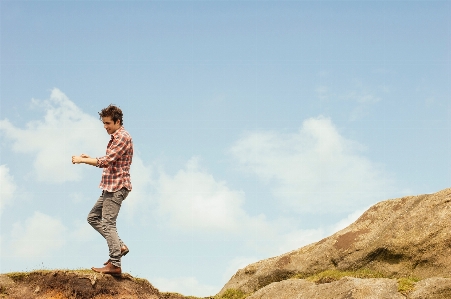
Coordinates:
(7, 187)
(363, 99)
(313, 170)
(39, 236)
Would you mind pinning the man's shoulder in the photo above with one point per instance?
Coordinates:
(122, 133)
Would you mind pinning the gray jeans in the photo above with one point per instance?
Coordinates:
(103, 219)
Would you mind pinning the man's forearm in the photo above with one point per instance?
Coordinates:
(85, 159)
(89, 161)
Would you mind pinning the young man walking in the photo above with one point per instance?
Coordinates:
(115, 184)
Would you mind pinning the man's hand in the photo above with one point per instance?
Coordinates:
(83, 158)
(76, 159)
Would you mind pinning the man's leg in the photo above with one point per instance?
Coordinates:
(111, 205)
(95, 217)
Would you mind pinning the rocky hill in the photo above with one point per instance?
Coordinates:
(401, 240)
(399, 248)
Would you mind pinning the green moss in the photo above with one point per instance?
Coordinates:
(171, 295)
(77, 271)
(232, 294)
(140, 280)
(407, 284)
(18, 276)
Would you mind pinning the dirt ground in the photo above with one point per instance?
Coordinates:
(78, 284)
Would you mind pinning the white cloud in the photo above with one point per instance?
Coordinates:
(188, 286)
(194, 200)
(39, 236)
(83, 232)
(140, 198)
(298, 238)
(78, 197)
(7, 187)
(64, 131)
(313, 170)
(364, 99)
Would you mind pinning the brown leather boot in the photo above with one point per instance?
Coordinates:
(124, 251)
(108, 269)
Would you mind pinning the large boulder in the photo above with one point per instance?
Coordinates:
(354, 288)
(409, 236)
(345, 288)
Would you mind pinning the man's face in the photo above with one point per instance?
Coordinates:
(109, 125)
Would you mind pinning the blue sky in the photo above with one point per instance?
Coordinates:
(258, 126)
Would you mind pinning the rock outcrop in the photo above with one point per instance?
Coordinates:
(345, 288)
(354, 288)
(404, 237)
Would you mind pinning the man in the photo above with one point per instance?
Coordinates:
(115, 184)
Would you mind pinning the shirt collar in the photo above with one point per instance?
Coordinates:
(117, 132)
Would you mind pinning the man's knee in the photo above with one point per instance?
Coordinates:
(92, 219)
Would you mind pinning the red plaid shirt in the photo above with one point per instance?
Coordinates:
(116, 163)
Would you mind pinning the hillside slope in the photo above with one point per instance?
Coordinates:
(81, 284)
(404, 237)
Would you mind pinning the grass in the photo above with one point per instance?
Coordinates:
(18, 276)
(232, 294)
(228, 294)
(405, 284)
(140, 280)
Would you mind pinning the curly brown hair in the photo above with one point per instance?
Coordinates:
(112, 111)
